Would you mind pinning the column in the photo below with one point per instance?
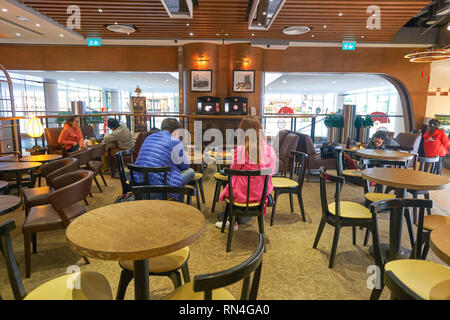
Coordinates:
(115, 103)
(51, 100)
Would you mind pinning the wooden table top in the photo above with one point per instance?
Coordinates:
(384, 154)
(8, 203)
(135, 230)
(440, 242)
(406, 179)
(3, 184)
(220, 154)
(41, 158)
(18, 166)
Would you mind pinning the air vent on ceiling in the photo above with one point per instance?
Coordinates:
(296, 30)
(121, 28)
(263, 13)
(179, 9)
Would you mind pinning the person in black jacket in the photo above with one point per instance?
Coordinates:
(378, 141)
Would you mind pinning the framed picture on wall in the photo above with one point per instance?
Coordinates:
(243, 80)
(201, 80)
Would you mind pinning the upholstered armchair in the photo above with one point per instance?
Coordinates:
(51, 137)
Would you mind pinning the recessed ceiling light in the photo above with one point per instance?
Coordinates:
(18, 34)
(191, 33)
(115, 22)
(448, 27)
(284, 81)
(167, 80)
(253, 34)
(296, 30)
(324, 26)
(23, 18)
(5, 10)
(38, 25)
(217, 34)
(187, 24)
(340, 14)
(226, 34)
(362, 36)
(312, 36)
(100, 10)
(61, 35)
(264, 13)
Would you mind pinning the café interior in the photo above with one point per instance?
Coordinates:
(352, 102)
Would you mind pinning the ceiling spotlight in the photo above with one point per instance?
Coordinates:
(23, 18)
(5, 10)
(340, 14)
(264, 13)
(325, 27)
(61, 35)
(284, 81)
(38, 25)
(191, 34)
(72, 79)
(121, 28)
(312, 36)
(253, 34)
(167, 80)
(100, 10)
(362, 36)
(227, 34)
(448, 27)
(217, 34)
(187, 24)
(18, 34)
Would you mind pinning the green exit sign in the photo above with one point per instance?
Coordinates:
(94, 42)
(348, 45)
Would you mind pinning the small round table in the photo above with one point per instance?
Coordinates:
(388, 155)
(8, 204)
(41, 158)
(401, 180)
(136, 230)
(3, 184)
(18, 168)
(440, 242)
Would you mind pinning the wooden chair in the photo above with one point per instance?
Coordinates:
(84, 156)
(391, 205)
(247, 209)
(166, 265)
(145, 171)
(291, 186)
(88, 285)
(95, 163)
(124, 157)
(63, 208)
(351, 175)
(221, 182)
(431, 222)
(197, 182)
(211, 286)
(342, 214)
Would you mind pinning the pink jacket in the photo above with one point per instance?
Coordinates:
(70, 135)
(241, 162)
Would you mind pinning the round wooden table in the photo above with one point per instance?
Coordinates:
(389, 155)
(41, 158)
(8, 204)
(3, 184)
(136, 230)
(18, 168)
(440, 242)
(401, 180)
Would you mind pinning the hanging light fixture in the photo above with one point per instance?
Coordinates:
(35, 130)
(431, 55)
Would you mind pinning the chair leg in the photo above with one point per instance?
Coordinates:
(125, 277)
(354, 235)
(230, 233)
(337, 230)
(261, 228)
(185, 271)
(319, 233)
(427, 196)
(86, 202)
(410, 227)
(225, 218)
(277, 193)
(197, 196)
(103, 178)
(98, 184)
(216, 195)
(366, 237)
(34, 241)
(176, 279)
(202, 192)
(86, 260)
(291, 201)
(27, 252)
(414, 210)
(302, 208)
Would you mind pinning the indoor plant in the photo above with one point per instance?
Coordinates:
(333, 121)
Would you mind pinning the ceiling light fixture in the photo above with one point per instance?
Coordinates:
(201, 59)
(18, 34)
(187, 24)
(340, 14)
(227, 34)
(324, 27)
(61, 35)
(448, 27)
(23, 19)
(100, 10)
(296, 30)
(121, 28)
(431, 55)
(38, 25)
(191, 34)
(5, 10)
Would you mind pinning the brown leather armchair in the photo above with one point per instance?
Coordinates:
(88, 132)
(51, 137)
(70, 188)
(95, 163)
(288, 144)
(408, 142)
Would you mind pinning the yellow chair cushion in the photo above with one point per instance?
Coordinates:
(351, 210)
(352, 172)
(165, 263)
(433, 221)
(375, 196)
(284, 183)
(85, 285)
(250, 204)
(186, 292)
(198, 176)
(427, 279)
(221, 177)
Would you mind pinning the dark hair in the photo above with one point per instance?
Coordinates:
(113, 123)
(170, 124)
(379, 134)
(69, 120)
(434, 123)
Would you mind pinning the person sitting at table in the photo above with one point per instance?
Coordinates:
(120, 138)
(251, 155)
(435, 143)
(378, 141)
(71, 136)
(156, 151)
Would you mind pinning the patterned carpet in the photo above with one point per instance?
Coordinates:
(292, 269)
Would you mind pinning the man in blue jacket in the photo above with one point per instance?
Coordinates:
(162, 149)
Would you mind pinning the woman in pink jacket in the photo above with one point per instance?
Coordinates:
(71, 135)
(251, 155)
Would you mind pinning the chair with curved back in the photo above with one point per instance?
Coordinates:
(70, 188)
(291, 186)
(95, 164)
(89, 285)
(51, 137)
(166, 265)
(123, 158)
(247, 209)
(288, 144)
(145, 171)
(211, 286)
(221, 182)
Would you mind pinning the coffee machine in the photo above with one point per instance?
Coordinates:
(208, 105)
(236, 106)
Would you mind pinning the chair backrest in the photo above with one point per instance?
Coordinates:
(144, 192)
(11, 263)
(299, 161)
(208, 282)
(305, 144)
(51, 137)
(338, 154)
(249, 173)
(429, 165)
(98, 151)
(124, 157)
(408, 141)
(83, 157)
(58, 167)
(391, 204)
(145, 171)
(88, 131)
(339, 181)
(289, 144)
(70, 188)
(140, 140)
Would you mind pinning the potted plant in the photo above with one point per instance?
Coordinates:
(362, 124)
(334, 122)
(95, 121)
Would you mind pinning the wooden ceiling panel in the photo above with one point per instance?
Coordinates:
(213, 19)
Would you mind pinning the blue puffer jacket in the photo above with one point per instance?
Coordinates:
(156, 151)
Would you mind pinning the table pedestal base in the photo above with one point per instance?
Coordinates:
(141, 286)
(385, 252)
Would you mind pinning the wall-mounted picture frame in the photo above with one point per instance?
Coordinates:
(243, 80)
(201, 80)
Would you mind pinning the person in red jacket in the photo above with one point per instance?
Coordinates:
(436, 142)
(71, 135)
